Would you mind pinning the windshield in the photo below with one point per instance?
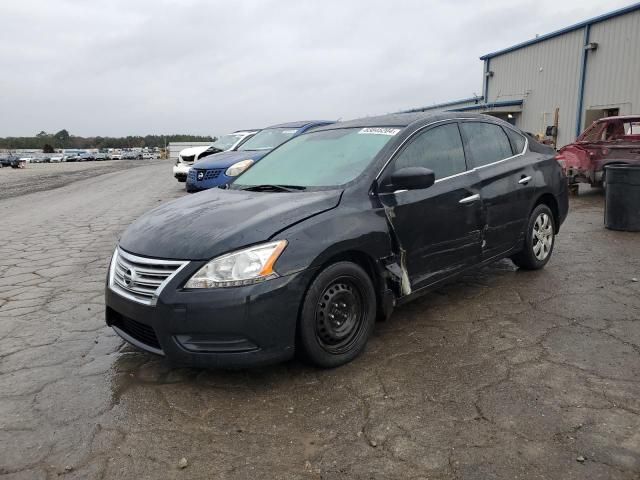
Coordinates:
(319, 159)
(268, 139)
(225, 142)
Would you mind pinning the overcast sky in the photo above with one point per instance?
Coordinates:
(128, 67)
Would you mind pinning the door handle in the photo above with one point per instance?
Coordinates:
(524, 180)
(470, 199)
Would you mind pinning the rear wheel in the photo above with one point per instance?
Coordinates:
(337, 316)
(539, 240)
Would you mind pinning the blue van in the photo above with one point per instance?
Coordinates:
(222, 168)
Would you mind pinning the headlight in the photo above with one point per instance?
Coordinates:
(238, 167)
(244, 267)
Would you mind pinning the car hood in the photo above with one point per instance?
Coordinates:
(216, 221)
(186, 152)
(226, 159)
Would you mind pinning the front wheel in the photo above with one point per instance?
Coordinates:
(539, 240)
(338, 315)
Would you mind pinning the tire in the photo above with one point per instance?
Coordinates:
(537, 247)
(338, 315)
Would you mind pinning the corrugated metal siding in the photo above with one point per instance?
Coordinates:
(613, 70)
(545, 75)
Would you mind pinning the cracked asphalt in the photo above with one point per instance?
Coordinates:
(503, 374)
(45, 176)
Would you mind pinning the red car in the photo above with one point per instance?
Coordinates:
(611, 140)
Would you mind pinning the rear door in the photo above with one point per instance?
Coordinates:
(438, 228)
(507, 183)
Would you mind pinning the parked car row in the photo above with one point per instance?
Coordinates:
(75, 157)
(232, 154)
(88, 156)
(221, 168)
(324, 227)
(188, 156)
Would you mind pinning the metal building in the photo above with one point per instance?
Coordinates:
(587, 71)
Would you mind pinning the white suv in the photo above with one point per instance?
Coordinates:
(188, 156)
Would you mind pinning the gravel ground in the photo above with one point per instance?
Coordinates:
(503, 374)
(45, 176)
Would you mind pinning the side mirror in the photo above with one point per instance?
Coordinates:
(411, 178)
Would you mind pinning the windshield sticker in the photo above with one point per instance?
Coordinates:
(379, 131)
(289, 131)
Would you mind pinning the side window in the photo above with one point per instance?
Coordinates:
(439, 149)
(487, 142)
(517, 141)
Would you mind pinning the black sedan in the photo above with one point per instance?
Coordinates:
(326, 234)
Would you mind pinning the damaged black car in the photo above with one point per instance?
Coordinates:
(330, 231)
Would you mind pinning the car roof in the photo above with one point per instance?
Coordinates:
(247, 131)
(402, 119)
(301, 123)
(619, 117)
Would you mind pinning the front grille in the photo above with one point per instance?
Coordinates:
(139, 331)
(208, 174)
(215, 173)
(141, 279)
(187, 158)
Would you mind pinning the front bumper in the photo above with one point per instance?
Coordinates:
(181, 170)
(224, 327)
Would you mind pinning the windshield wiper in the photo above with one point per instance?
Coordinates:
(274, 188)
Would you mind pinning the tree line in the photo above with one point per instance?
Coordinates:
(63, 139)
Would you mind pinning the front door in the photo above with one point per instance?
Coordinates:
(438, 228)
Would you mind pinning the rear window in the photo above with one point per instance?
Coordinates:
(517, 141)
(487, 143)
(633, 128)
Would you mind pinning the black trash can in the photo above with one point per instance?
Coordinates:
(622, 199)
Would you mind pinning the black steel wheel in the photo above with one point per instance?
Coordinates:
(338, 315)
